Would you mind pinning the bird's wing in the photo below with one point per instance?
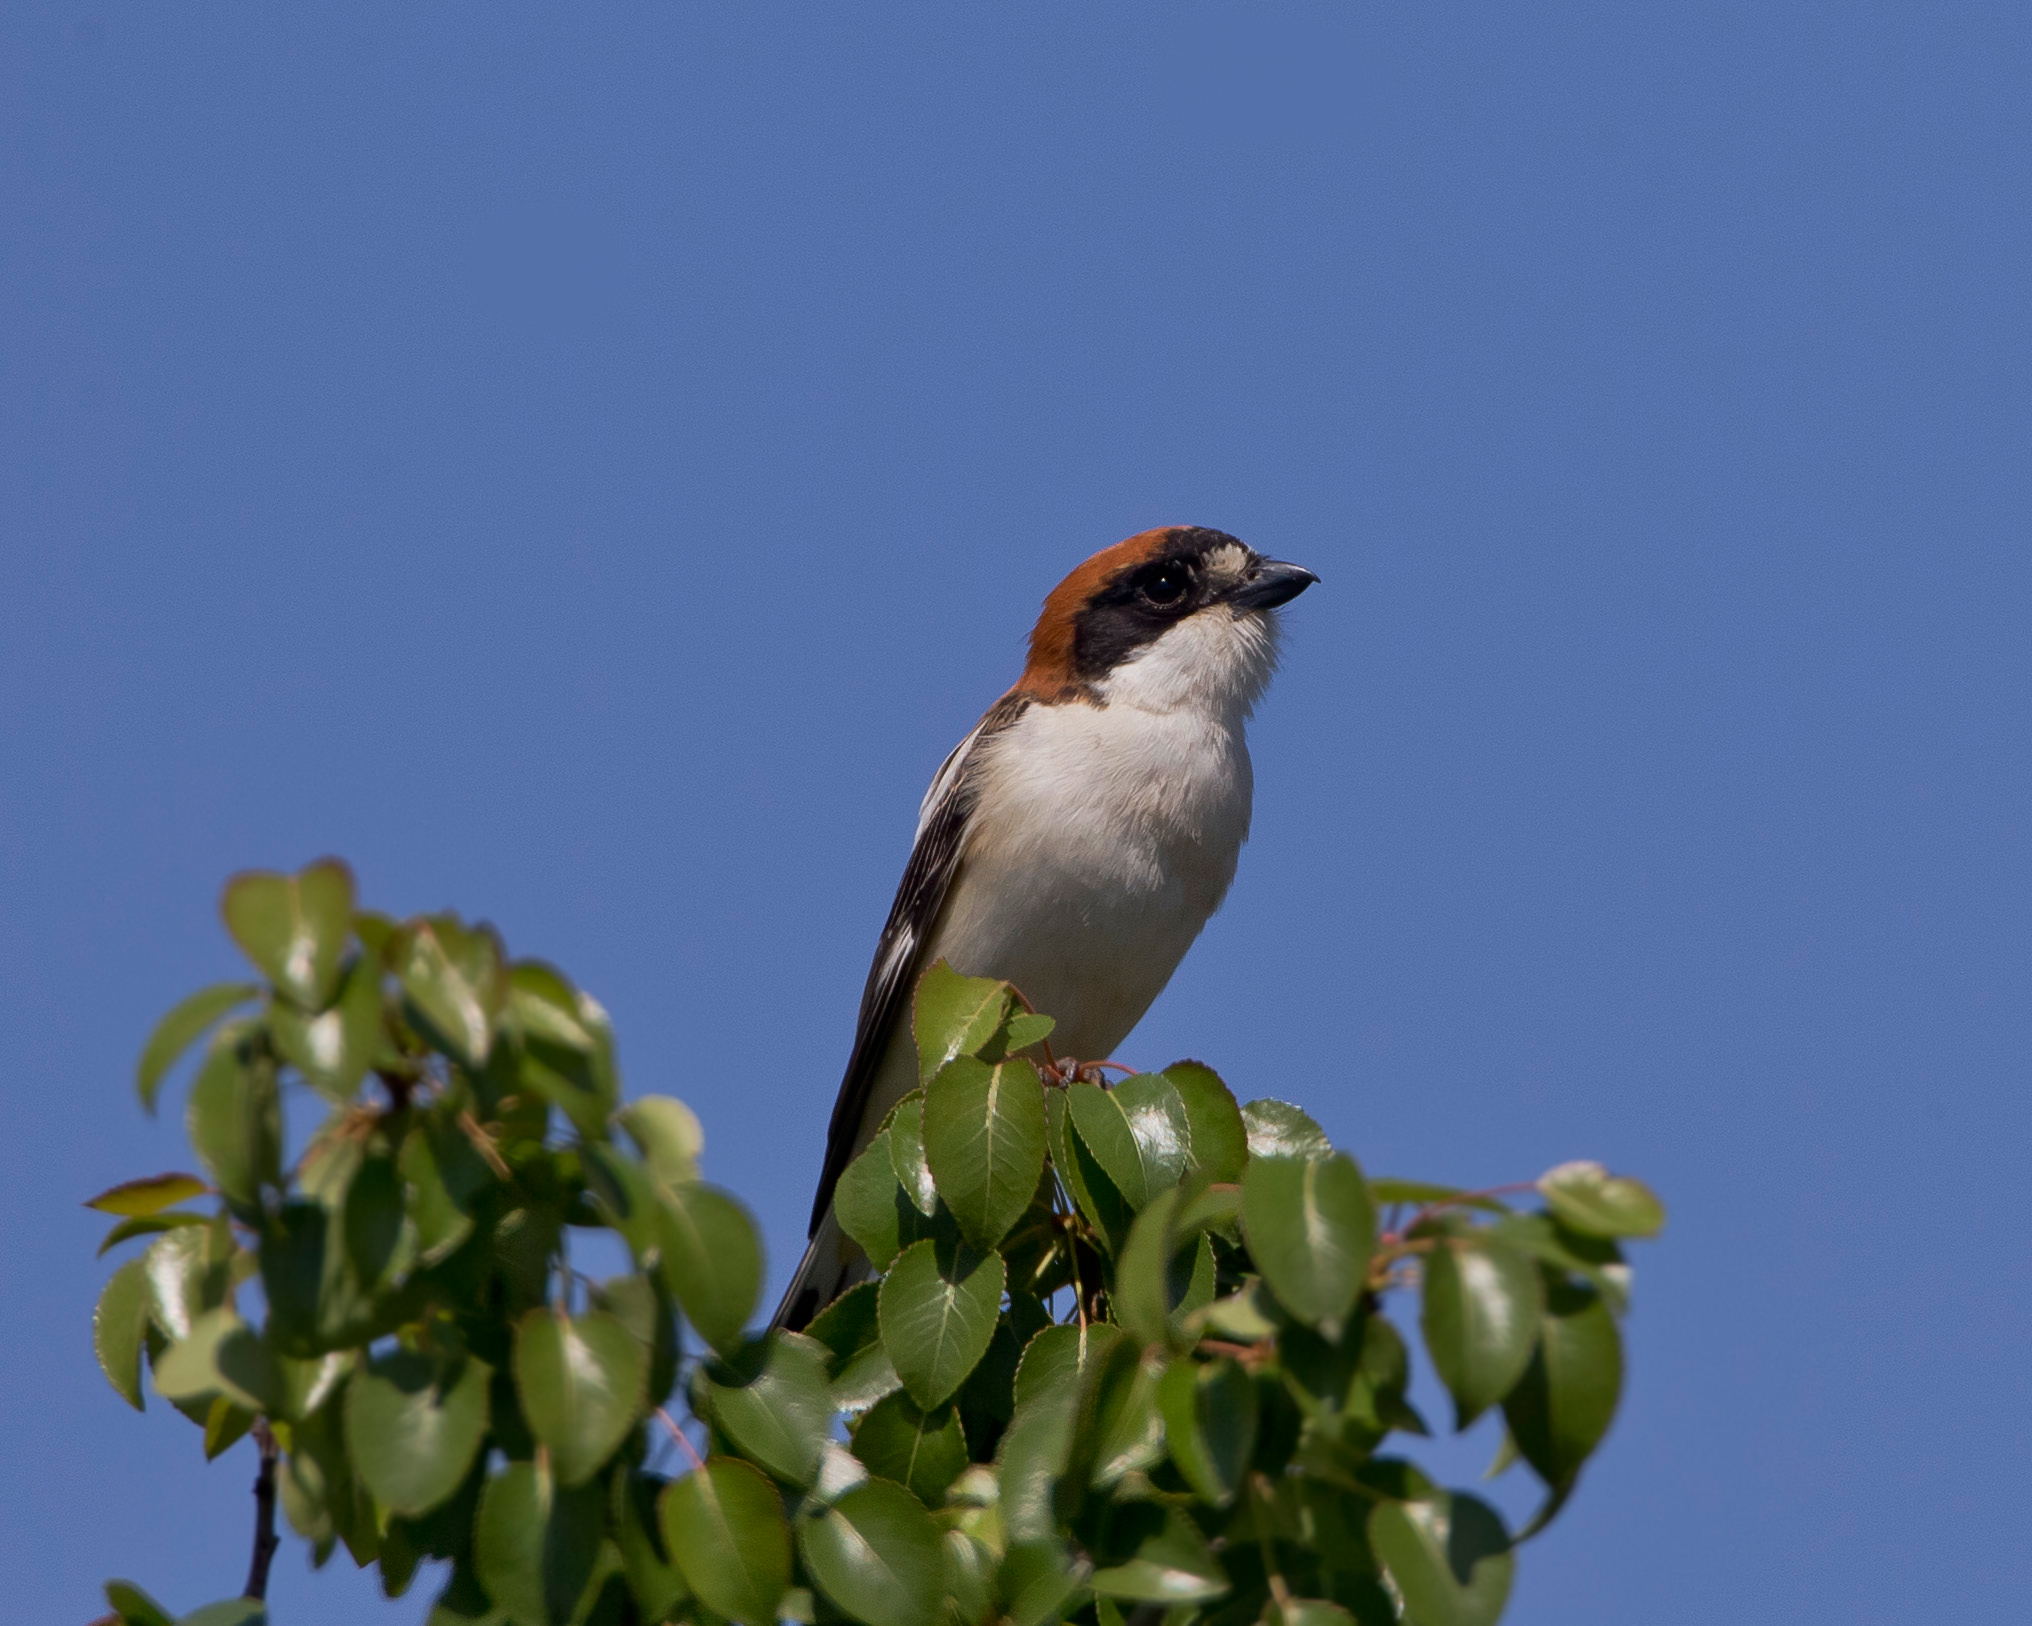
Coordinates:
(927, 878)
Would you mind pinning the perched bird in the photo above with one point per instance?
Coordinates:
(1078, 839)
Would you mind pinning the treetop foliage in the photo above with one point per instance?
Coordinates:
(1128, 1356)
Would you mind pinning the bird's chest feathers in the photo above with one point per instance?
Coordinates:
(1114, 808)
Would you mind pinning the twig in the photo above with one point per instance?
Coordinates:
(1259, 1488)
(483, 1143)
(265, 1539)
(678, 1435)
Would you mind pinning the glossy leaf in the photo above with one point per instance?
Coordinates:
(445, 1175)
(135, 1607)
(454, 979)
(772, 1399)
(865, 1202)
(413, 1425)
(905, 1134)
(1093, 1193)
(712, 1259)
(724, 1525)
(1138, 1137)
(148, 1196)
(146, 1225)
(954, 1015)
(228, 1612)
(924, 1452)
(535, 1543)
(1146, 1290)
(222, 1356)
(1220, 1139)
(653, 1575)
(334, 1049)
(1559, 1411)
(669, 1135)
(1450, 1557)
(1311, 1229)
(120, 1329)
(1172, 1566)
(1590, 1199)
(1423, 1192)
(1481, 1312)
(186, 1023)
(1307, 1612)
(235, 1120)
(876, 1554)
(984, 1135)
(582, 1381)
(937, 1307)
(1027, 1028)
(1278, 1129)
(294, 927)
(1056, 1358)
(1209, 1425)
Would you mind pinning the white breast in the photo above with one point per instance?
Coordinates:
(1102, 840)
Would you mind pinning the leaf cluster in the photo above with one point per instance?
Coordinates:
(1124, 1353)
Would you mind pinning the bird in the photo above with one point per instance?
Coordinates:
(1078, 839)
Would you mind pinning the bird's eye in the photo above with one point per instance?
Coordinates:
(1166, 586)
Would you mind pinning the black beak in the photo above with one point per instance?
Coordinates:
(1271, 583)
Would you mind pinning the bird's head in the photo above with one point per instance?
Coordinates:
(1176, 617)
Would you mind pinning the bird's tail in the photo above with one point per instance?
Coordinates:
(831, 1265)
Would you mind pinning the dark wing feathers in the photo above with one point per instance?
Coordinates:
(927, 878)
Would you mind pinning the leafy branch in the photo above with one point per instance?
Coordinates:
(1127, 1355)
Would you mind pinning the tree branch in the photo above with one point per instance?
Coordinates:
(265, 1539)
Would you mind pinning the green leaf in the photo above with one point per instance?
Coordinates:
(189, 1272)
(1137, 1133)
(187, 1022)
(866, 1202)
(120, 1328)
(222, 1356)
(847, 1326)
(1480, 1318)
(454, 979)
(146, 1225)
(905, 1132)
(1056, 1358)
(1093, 1193)
(1210, 1425)
(445, 1174)
(135, 1607)
(1028, 1028)
(1589, 1198)
(334, 1050)
(293, 927)
(938, 1306)
(1552, 1243)
(413, 1425)
(1450, 1557)
(582, 1381)
(652, 1573)
(724, 1525)
(877, 1555)
(225, 1426)
(1172, 1566)
(1143, 1296)
(983, 1128)
(923, 1451)
(712, 1259)
(669, 1134)
(1278, 1129)
(969, 1578)
(1311, 1229)
(535, 1543)
(228, 1612)
(148, 1196)
(1128, 1430)
(235, 1120)
(771, 1398)
(644, 1306)
(1423, 1192)
(1559, 1411)
(955, 1016)
(1220, 1139)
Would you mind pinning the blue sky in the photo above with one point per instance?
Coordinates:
(587, 465)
